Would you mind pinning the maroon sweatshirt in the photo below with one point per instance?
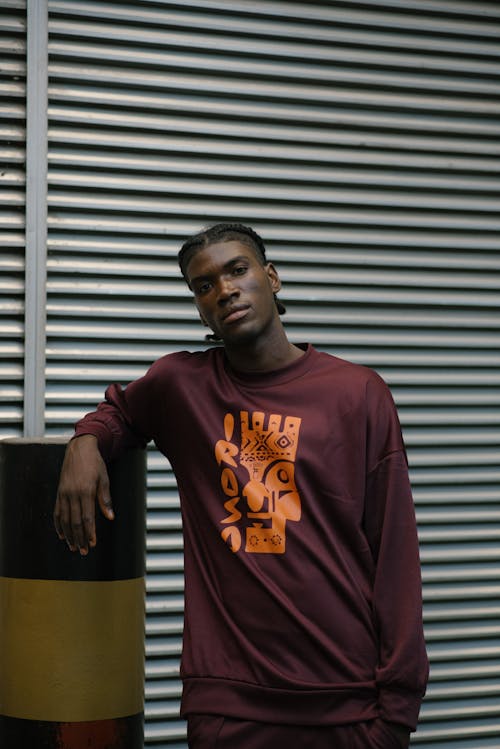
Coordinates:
(302, 573)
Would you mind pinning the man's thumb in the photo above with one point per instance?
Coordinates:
(104, 499)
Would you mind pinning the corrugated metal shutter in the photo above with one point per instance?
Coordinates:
(12, 185)
(362, 140)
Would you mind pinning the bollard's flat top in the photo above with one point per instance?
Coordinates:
(35, 440)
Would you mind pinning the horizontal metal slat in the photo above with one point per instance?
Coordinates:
(435, 455)
(450, 476)
(12, 24)
(320, 22)
(380, 195)
(455, 436)
(455, 495)
(162, 710)
(476, 689)
(362, 129)
(276, 210)
(223, 95)
(463, 566)
(453, 533)
(107, 171)
(11, 177)
(470, 708)
(256, 66)
(474, 515)
(461, 8)
(10, 198)
(339, 14)
(148, 47)
(132, 148)
(460, 630)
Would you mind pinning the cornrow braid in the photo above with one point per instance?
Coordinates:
(224, 232)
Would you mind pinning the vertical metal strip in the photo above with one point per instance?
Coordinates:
(36, 217)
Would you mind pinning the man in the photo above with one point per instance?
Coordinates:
(303, 596)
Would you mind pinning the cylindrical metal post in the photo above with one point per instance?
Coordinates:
(71, 627)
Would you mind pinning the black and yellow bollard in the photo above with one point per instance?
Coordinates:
(71, 627)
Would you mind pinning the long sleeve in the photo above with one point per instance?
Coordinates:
(126, 418)
(390, 526)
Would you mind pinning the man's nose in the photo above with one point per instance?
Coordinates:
(226, 289)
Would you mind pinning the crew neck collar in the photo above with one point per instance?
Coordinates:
(295, 369)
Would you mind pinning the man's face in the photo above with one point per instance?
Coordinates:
(233, 291)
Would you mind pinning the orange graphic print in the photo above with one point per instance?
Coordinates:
(260, 503)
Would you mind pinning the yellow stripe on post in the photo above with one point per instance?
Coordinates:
(68, 652)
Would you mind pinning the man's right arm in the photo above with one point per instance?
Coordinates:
(125, 419)
(83, 481)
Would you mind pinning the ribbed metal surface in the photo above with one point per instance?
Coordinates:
(12, 184)
(362, 140)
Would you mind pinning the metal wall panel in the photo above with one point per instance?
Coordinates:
(362, 140)
(12, 201)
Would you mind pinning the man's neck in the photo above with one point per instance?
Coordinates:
(262, 357)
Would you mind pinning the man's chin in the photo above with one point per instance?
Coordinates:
(239, 336)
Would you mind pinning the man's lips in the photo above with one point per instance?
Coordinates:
(234, 314)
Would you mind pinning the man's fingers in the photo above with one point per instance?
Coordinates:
(62, 518)
(104, 496)
(57, 522)
(74, 522)
(88, 522)
(77, 526)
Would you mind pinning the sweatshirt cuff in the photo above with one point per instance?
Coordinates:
(104, 438)
(396, 706)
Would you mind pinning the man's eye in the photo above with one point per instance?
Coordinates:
(204, 287)
(239, 270)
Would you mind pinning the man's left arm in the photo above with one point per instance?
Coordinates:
(390, 526)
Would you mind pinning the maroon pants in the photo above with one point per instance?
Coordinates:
(217, 732)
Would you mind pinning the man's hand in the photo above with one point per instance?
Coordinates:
(84, 479)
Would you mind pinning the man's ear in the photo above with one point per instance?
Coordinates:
(273, 276)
